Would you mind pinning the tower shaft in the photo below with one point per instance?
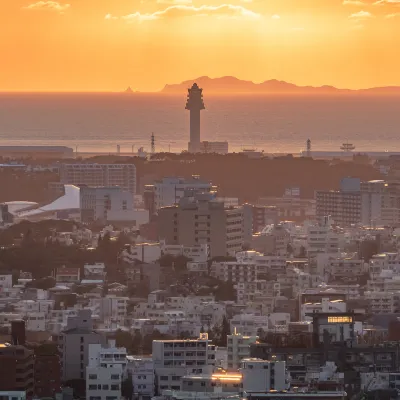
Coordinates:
(195, 104)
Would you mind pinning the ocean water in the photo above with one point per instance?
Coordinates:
(275, 124)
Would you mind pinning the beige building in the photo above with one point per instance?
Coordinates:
(122, 175)
(201, 220)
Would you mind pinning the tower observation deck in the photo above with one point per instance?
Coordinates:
(194, 104)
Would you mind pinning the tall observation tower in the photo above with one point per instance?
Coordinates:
(194, 104)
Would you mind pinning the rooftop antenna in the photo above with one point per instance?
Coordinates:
(153, 144)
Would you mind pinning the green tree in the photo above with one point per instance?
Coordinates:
(127, 388)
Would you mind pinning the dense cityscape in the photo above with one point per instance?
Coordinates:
(201, 275)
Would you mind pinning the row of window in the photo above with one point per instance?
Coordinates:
(103, 387)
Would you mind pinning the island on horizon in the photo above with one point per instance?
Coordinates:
(233, 85)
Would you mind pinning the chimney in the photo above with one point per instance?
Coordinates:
(18, 336)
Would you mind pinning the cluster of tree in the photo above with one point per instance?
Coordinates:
(218, 333)
(138, 343)
(22, 185)
(232, 180)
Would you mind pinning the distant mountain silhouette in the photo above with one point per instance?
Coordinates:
(128, 90)
(230, 84)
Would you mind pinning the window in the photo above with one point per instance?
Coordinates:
(92, 376)
(114, 387)
(115, 377)
(163, 378)
(82, 339)
(92, 387)
(346, 319)
(105, 387)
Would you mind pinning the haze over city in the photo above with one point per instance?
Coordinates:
(199, 200)
(102, 45)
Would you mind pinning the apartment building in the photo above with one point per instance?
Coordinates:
(106, 204)
(105, 371)
(201, 220)
(348, 270)
(174, 359)
(141, 369)
(325, 306)
(169, 191)
(112, 308)
(382, 302)
(74, 344)
(383, 261)
(261, 376)
(344, 208)
(322, 239)
(238, 348)
(17, 362)
(122, 175)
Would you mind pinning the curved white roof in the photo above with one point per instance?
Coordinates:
(70, 200)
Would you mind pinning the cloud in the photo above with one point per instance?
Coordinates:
(182, 10)
(389, 2)
(394, 15)
(48, 5)
(174, 1)
(275, 16)
(361, 15)
(353, 3)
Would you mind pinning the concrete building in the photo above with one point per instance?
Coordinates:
(141, 369)
(174, 359)
(12, 395)
(74, 344)
(199, 253)
(106, 175)
(238, 349)
(5, 283)
(112, 308)
(17, 362)
(322, 239)
(272, 240)
(261, 376)
(200, 220)
(106, 204)
(371, 203)
(195, 104)
(169, 191)
(105, 371)
(325, 306)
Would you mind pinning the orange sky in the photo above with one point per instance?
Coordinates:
(102, 45)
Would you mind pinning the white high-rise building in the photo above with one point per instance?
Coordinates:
(174, 359)
(105, 371)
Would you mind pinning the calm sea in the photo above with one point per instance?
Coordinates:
(100, 122)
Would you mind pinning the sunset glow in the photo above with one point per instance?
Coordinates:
(104, 45)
